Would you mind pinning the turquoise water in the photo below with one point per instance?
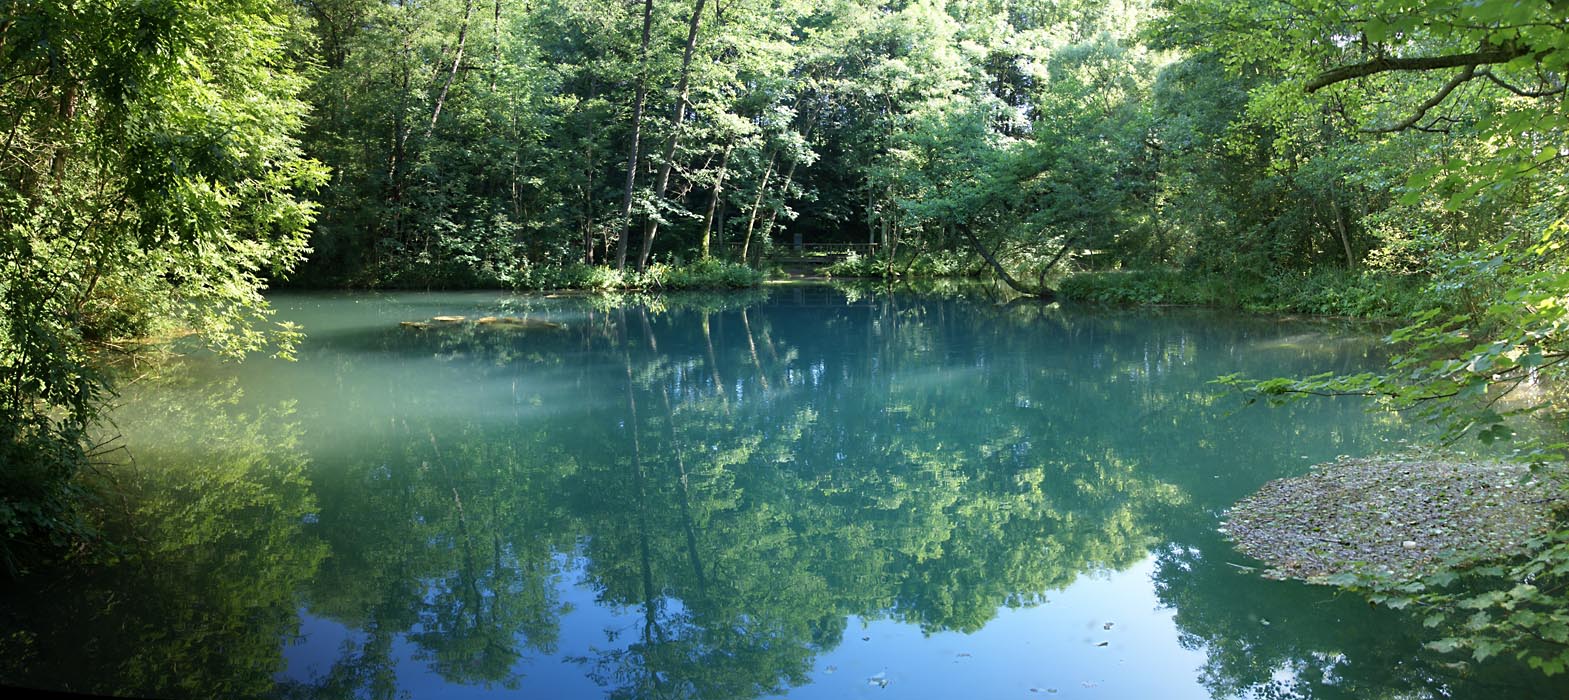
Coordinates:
(799, 492)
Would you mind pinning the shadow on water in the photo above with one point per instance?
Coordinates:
(699, 497)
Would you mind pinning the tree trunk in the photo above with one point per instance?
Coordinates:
(66, 113)
(685, 501)
(589, 171)
(810, 123)
(495, 44)
(1017, 286)
(757, 203)
(639, 480)
(713, 202)
(400, 142)
(1340, 227)
(662, 183)
(637, 127)
(713, 360)
(457, 61)
(784, 191)
(588, 209)
(871, 218)
(751, 344)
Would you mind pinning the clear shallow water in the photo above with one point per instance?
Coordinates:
(789, 493)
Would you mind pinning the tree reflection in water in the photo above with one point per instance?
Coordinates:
(741, 476)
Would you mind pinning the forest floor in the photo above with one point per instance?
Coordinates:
(1394, 517)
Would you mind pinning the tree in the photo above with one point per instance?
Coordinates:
(150, 178)
(1452, 368)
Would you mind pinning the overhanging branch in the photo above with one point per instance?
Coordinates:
(1486, 56)
(1519, 90)
(1421, 111)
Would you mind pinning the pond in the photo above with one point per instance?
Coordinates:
(801, 491)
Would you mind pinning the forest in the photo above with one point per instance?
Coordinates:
(167, 163)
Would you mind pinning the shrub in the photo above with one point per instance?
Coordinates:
(937, 264)
(857, 265)
(1134, 288)
(704, 274)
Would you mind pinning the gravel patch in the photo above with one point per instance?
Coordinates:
(1393, 517)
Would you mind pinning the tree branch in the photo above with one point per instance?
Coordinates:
(1421, 111)
(1383, 65)
(1519, 91)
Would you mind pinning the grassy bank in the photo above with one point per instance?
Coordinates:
(1320, 292)
(700, 275)
(935, 265)
(704, 274)
(1324, 292)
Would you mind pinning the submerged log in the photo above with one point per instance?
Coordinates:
(498, 322)
(513, 322)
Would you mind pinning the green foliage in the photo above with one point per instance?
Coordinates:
(1473, 375)
(1478, 208)
(938, 264)
(1322, 292)
(210, 553)
(51, 395)
(703, 274)
(158, 157)
(1135, 288)
(1514, 607)
(1111, 136)
(857, 265)
(150, 180)
(1339, 293)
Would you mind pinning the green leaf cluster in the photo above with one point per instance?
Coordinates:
(151, 181)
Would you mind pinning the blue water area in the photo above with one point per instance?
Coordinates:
(801, 492)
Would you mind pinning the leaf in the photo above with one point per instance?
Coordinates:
(1495, 433)
(1485, 648)
(1557, 631)
(1550, 666)
(1375, 29)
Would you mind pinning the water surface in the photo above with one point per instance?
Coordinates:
(799, 492)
